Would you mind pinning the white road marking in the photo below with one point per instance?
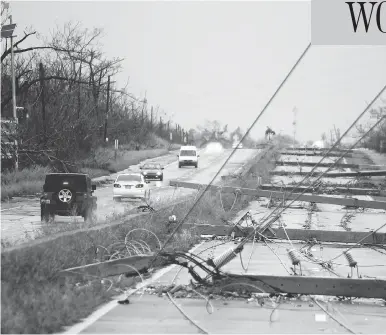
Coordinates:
(170, 164)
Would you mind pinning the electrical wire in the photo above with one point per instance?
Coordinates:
(278, 257)
(250, 256)
(222, 205)
(338, 141)
(185, 315)
(202, 251)
(362, 239)
(307, 187)
(332, 316)
(233, 151)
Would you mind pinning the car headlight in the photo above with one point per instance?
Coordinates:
(158, 173)
(145, 172)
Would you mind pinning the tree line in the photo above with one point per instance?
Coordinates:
(373, 138)
(68, 102)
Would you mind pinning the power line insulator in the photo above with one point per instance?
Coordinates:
(292, 254)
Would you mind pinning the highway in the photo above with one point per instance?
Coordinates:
(20, 219)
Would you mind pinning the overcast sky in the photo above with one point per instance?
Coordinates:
(223, 60)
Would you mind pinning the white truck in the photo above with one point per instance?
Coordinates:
(188, 156)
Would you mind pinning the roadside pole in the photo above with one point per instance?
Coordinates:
(107, 108)
(14, 99)
(115, 149)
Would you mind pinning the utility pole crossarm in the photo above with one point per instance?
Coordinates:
(350, 202)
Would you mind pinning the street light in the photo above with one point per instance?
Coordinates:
(7, 32)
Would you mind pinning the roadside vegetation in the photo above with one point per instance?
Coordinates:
(374, 140)
(29, 181)
(71, 110)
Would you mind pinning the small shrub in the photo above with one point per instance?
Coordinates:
(28, 181)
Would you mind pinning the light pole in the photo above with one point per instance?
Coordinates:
(7, 32)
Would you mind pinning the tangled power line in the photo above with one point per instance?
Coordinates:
(131, 246)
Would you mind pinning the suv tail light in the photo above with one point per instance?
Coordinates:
(139, 186)
(117, 185)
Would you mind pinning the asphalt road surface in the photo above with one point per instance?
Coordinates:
(20, 219)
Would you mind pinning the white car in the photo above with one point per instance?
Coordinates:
(188, 156)
(130, 185)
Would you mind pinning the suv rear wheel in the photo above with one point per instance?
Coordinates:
(66, 196)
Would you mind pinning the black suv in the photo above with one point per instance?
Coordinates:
(68, 194)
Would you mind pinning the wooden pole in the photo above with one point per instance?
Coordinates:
(43, 101)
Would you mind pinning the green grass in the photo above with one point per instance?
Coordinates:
(127, 158)
(94, 172)
(103, 159)
(24, 182)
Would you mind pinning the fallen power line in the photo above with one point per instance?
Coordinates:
(325, 189)
(353, 174)
(332, 236)
(350, 202)
(330, 154)
(338, 165)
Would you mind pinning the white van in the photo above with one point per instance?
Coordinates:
(188, 156)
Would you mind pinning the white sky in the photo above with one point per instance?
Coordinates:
(223, 60)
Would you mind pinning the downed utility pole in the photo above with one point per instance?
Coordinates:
(350, 202)
(291, 284)
(319, 149)
(333, 236)
(345, 287)
(288, 153)
(312, 164)
(330, 189)
(374, 173)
